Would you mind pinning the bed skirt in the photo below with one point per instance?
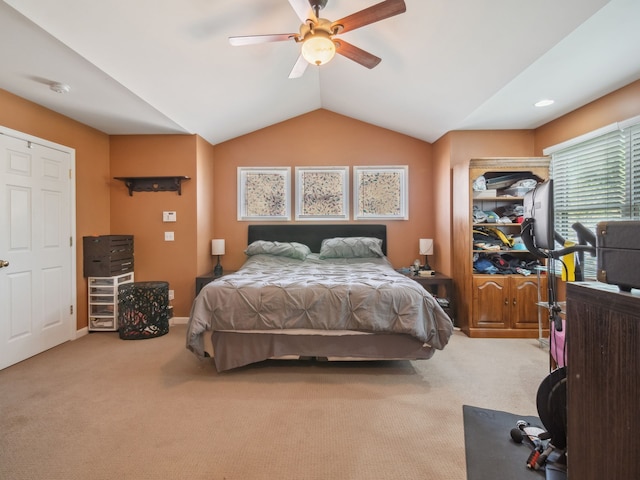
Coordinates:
(234, 349)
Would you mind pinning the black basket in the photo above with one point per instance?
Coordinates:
(143, 310)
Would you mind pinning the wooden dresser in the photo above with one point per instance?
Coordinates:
(603, 382)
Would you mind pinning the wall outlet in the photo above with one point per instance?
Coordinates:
(168, 236)
(171, 295)
(169, 217)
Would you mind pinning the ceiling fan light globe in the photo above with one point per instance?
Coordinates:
(318, 49)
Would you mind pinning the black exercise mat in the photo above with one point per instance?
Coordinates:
(489, 450)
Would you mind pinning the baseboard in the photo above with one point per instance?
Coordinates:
(178, 321)
(172, 321)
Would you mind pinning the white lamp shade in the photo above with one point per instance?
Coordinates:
(217, 246)
(426, 246)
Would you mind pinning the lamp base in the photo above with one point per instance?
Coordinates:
(217, 270)
(426, 265)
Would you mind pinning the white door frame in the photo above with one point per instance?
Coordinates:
(73, 330)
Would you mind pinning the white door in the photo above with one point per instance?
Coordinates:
(37, 283)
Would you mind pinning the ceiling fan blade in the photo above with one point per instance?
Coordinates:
(299, 68)
(303, 10)
(375, 13)
(255, 39)
(356, 54)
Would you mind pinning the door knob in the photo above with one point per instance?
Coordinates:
(4, 263)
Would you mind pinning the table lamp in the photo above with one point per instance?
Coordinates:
(217, 248)
(426, 249)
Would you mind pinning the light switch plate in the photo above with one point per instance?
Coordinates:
(168, 236)
(169, 217)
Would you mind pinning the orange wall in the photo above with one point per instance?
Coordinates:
(442, 190)
(205, 184)
(490, 143)
(140, 215)
(92, 170)
(323, 138)
(615, 107)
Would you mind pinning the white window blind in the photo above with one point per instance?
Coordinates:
(597, 180)
(634, 172)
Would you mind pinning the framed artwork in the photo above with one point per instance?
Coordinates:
(264, 193)
(322, 193)
(381, 193)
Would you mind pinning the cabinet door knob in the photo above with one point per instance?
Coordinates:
(506, 301)
(4, 263)
(514, 301)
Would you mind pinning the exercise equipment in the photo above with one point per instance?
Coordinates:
(548, 444)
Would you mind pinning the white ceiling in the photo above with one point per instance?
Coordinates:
(166, 66)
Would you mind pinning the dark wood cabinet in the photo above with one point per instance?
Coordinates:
(202, 280)
(603, 382)
(441, 287)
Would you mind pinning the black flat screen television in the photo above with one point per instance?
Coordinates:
(538, 206)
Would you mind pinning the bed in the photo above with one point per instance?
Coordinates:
(316, 291)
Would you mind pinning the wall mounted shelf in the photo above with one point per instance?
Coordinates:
(154, 184)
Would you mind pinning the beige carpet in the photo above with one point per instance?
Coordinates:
(105, 408)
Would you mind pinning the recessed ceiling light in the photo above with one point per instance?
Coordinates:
(544, 103)
(60, 87)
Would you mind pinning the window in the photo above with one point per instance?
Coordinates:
(597, 179)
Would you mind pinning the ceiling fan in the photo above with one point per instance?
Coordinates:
(318, 35)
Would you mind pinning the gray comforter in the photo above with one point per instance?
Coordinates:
(276, 293)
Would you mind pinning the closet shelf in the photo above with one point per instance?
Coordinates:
(154, 184)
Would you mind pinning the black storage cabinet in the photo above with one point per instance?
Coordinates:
(107, 255)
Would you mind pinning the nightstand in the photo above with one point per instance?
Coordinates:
(440, 286)
(202, 280)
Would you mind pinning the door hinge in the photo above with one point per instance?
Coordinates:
(69, 174)
(71, 309)
(71, 241)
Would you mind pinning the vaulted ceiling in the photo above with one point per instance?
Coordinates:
(140, 67)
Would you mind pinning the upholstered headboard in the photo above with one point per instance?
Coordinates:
(312, 235)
